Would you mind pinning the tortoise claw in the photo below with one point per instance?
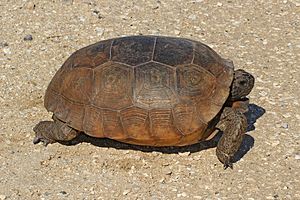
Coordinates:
(36, 140)
(228, 164)
(39, 139)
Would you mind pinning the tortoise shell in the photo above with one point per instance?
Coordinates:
(145, 90)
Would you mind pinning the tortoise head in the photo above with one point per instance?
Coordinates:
(242, 84)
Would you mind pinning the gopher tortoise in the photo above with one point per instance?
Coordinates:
(148, 90)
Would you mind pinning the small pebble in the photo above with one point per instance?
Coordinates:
(81, 19)
(286, 115)
(2, 197)
(297, 156)
(177, 32)
(63, 192)
(275, 143)
(28, 38)
(285, 125)
(126, 192)
(182, 194)
(184, 153)
(162, 180)
(3, 44)
(165, 164)
(192, 17)
(99, 31)
(47, 193)
(169, 172)
(30, 5)
(6, 51)
(97, 13)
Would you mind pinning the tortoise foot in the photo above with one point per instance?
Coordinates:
(225, 159)
(40, 133)
(235, 124)
(39, 139)
(53, 131)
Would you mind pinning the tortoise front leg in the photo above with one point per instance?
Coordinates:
(53, 131)
(233, 124)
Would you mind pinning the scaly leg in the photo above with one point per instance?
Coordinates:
(233, 124)
(53, 131)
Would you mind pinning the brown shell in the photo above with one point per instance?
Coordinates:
(145, 90)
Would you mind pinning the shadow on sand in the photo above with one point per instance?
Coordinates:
(252, 115)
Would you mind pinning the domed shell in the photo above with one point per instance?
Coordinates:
(145, 90)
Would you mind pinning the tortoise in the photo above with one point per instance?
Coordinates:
(148, 90)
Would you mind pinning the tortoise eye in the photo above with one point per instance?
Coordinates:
(243, 83)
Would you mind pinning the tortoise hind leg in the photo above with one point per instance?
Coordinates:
(53, 131)
(233, 124)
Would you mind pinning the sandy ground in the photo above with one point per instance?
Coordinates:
(262, 37)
